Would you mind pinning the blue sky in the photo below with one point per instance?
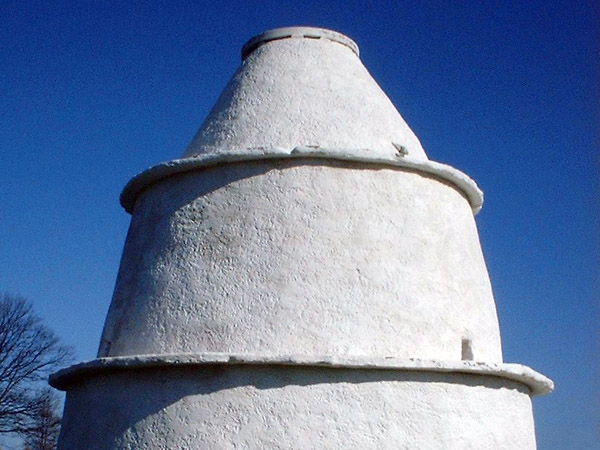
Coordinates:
(91, 93)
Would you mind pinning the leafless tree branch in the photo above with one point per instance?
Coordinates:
(29, 352)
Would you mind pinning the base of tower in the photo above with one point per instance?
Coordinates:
(228, 401)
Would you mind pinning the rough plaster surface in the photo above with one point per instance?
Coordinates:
(304, 219)
(171, 168)
(220, 407)
(303, 257)
(304, 92)
(536, 382)
(297, 32)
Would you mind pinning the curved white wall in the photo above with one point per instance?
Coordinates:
(303, 257)
(303, 278)
(304, 92)
(219, 407)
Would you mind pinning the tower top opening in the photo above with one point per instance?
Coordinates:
(297, 33)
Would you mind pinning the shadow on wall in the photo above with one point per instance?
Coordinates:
(185, 399)
(157, 232)
(186, 188)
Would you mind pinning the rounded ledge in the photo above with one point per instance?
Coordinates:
(297, 32)
(447, 173)
(537, 383)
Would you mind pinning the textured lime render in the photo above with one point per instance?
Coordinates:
(537, 383)
(304, 92)
(303, 277)
(296, 408)
(442, 171)
(301, 257)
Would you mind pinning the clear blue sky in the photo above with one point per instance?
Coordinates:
(93, 92)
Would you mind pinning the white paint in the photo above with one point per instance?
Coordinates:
(304, 277)
(304, 92)
(297, 32)
(537, 383)
(303, 257)
(446, 173)
(254, 407)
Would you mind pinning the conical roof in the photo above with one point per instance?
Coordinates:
(303, 92)
(304, 87)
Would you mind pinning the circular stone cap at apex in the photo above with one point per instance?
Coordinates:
(297, 32)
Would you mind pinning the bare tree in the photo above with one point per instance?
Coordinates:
(29, 352)
(46, 423)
